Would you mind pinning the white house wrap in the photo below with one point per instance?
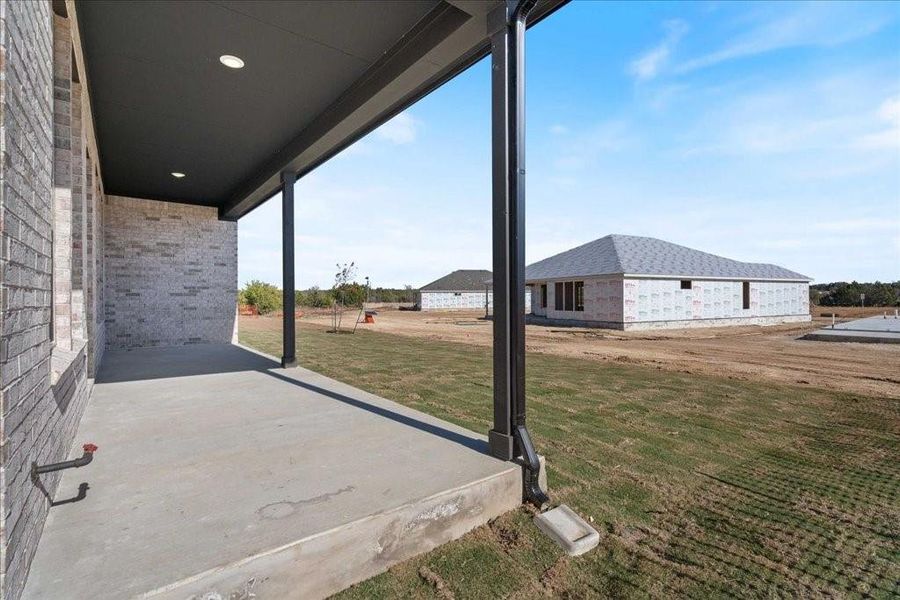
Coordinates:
(631, 282)
(463, 289)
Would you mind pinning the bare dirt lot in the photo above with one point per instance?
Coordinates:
(749, 353)
(847, 313)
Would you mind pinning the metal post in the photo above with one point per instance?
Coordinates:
(509, 439)
(289, 333)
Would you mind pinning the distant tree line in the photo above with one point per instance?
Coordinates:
(267, 297)
(841, 293)
(405, 295)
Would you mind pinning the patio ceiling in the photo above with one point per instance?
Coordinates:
(317, 77)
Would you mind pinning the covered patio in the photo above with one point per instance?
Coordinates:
(219, 472)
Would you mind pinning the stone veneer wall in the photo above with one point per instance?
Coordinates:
(171, 274)
(43, 387)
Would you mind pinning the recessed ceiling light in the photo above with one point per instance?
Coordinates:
(177, 174)
(232, 62)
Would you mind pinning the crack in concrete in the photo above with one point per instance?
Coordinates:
(285, 508)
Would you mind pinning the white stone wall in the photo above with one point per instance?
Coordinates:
(171, 274)
(462, 300)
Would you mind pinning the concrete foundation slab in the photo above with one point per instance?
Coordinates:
(220, 473)
(565, 527)
(872, 330)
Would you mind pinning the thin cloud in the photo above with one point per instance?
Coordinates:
(648, 65)
(402, 129)
(813, 24)
(889, 137)
(812, 119)
(604, 139)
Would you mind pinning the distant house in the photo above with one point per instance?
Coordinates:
(631, 282)
(464, 289)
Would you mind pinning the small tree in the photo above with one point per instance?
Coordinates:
(342, 280)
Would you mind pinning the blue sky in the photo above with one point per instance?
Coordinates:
(765, 132)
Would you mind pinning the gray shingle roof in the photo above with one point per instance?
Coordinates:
(463, 280)
(635, 255)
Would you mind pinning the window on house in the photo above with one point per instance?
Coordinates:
(558, 295)
(685, 284)
(543, 295)
(746, 295)
(579, 295)
(570, 295)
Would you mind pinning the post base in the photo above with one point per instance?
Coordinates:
(288, 363)
(502, 446)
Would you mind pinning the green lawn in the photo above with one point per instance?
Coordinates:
(700, 486)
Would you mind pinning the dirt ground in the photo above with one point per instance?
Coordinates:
(751, 353)
(846, 313)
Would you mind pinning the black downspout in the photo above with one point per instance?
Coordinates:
(289, 328)
(509, 439)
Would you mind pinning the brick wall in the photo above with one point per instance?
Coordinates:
(43, 385)
(171, 274)
(97, 310)
(64, 229)
(38, 417)
(172, 277)
(77, 215)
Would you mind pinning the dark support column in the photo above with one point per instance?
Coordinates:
(509, 439)
(289, 334)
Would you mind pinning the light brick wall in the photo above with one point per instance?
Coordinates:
(98, 311)
(64, 230)
(39, 412)
(78, 219)
(171, 274)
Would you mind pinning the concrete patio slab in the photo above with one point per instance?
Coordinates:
(872, 330)
(220, 473)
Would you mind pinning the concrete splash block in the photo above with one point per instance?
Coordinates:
(567, 529)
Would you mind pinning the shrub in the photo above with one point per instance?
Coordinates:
(264, 296)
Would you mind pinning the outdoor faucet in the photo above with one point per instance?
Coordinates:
(85, 459)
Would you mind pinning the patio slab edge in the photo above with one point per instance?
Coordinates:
(328, 562)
